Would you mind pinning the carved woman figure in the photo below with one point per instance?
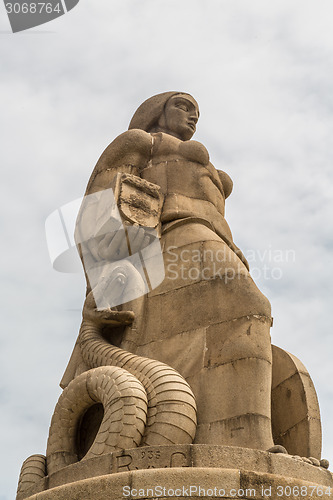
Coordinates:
(207, 319)
(189, 357)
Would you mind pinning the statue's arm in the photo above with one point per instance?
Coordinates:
(128, 153)
(227, 185)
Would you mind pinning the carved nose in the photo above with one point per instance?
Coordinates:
(194, 118)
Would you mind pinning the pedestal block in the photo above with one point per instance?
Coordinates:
(186, 471)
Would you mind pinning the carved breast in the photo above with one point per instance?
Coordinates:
(194, 151)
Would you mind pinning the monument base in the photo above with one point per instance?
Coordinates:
(195, 471)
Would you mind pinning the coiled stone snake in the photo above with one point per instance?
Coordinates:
(145, 402)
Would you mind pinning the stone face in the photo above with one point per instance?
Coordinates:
(174, 346)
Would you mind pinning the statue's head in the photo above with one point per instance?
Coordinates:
(174, 113)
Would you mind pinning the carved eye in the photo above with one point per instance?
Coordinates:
(182, 106)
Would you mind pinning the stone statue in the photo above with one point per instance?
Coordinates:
(186, 357)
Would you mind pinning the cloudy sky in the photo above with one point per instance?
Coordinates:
(262, 73)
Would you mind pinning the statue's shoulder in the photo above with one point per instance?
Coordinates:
(126, 153)
(226, 182)
(131, 141)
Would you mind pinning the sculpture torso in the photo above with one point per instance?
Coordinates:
(190, 183)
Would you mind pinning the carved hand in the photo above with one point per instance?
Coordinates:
(125, 242)
(106, 316)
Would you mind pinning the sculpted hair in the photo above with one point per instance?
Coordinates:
(149, 112)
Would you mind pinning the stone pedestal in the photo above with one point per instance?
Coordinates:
(195, 471)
